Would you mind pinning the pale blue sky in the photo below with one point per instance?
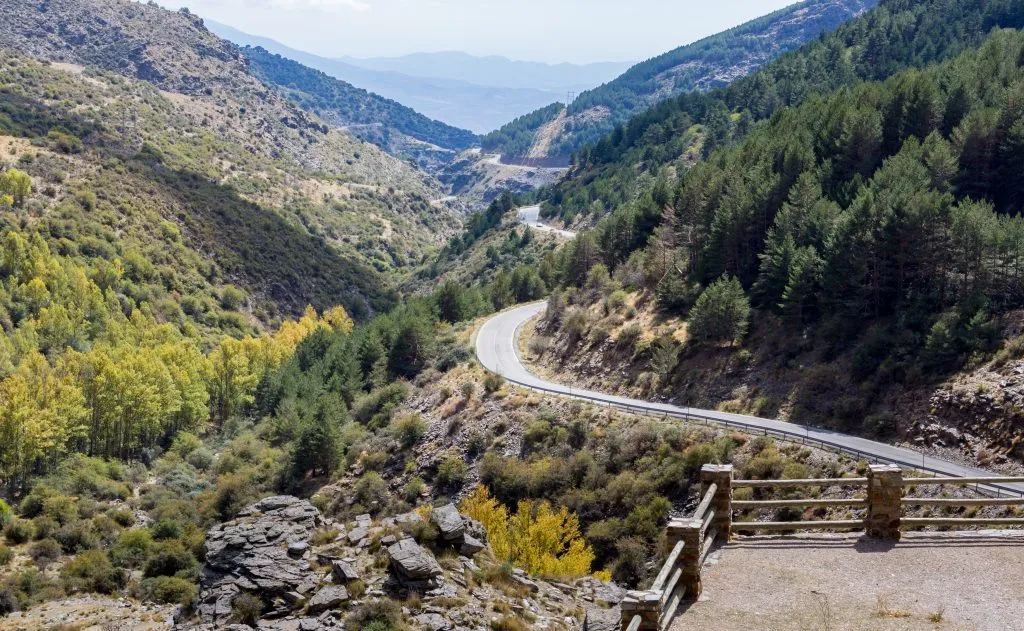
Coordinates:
(578, 31)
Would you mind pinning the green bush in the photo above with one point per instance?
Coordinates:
(61, 509)
(77, 537)
(44, 527)
(6, 554)
(92, 571)
(409, 429)
(18, 531)
(165, 529)
(132, 547)
(451, 472)
(170, 590)
(413, 489)
(247, 609)
(372, 491)
(45, 551)
(169, 558)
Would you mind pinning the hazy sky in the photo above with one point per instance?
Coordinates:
(579, 31)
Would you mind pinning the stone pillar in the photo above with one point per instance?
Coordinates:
(647, 605)
(720, 474)
(689, 561)
(885, 508)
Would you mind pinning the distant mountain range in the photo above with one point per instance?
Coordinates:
(479, 107)
(496, 71)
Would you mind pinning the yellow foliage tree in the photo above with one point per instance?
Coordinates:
(41, 410)
(538, 538)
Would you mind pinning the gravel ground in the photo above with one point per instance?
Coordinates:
(966, 580)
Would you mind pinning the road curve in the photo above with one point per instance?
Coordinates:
(497, 350)
(530, 216)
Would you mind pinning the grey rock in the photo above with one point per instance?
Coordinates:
(358, 534)
(411, 562)
(470, 545)
(597, 619)
(449, 522)
(330, 597)
(432, 621)
(343, 571)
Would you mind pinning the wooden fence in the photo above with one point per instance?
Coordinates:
(883, 502)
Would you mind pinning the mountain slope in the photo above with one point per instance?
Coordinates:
(268, 196)
(670, 137)
(478, 108)
(390, 125)
(710, 63)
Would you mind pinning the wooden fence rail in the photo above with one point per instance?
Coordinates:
(692, 539)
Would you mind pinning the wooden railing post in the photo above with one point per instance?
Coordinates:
(721, 476)
(647, 605)
(885, 502)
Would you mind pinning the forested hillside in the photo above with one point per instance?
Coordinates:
(710, 63)
(878, 226)
(898, 34)
(381, 121)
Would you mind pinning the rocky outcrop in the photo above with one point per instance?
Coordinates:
(265, 551)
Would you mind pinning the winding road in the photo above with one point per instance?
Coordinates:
(497, 349)
(530, 216)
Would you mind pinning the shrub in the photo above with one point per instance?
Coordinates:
(6, 554)
(409, 429)
(201, 459)
(413, 490)
(451, 472)
(6, 514)
(132, 547)
(169, 558)
(508, 623)
(18, 531)
(629, 335)
(493, 383)
(372, 491)
(165, 529)
(170, 590)
(121, 517)
(44, 527)
(60, 508)
(247, 608)
(379, 615)
(77, 537)
(92, 571)
(467, 389)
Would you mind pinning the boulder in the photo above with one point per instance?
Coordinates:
(330, 597)
(262, 551)
(343, 571)
(449, 522)
(413, 563)
(470, 545)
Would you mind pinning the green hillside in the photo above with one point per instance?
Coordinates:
(343, 104)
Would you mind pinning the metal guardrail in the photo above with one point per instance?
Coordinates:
(708, 421)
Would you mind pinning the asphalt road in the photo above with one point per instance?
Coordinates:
(530, 216)
(497, 350)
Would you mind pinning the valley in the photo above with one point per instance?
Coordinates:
(400, 343)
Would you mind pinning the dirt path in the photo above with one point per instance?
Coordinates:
(966, 580)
